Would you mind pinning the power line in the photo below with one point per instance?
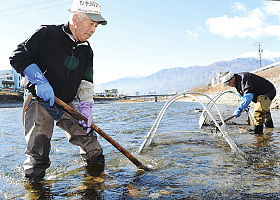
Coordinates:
(31, 10)
(25, 6)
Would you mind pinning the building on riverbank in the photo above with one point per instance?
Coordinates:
(107, 93)
(10, 80)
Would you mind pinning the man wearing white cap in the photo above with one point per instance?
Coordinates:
(252, 87)
(57, 60)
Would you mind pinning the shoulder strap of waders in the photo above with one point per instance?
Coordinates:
(25, 106)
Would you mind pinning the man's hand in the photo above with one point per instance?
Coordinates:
(245, 101)
(237, 113)
(43, 88)
(85, 107)
(45, 92)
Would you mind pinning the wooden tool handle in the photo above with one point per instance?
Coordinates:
(79, 116)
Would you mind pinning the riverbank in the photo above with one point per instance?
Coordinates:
(10, 99)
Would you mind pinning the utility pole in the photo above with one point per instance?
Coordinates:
(260, 51)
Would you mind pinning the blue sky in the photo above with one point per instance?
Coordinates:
(145, 36)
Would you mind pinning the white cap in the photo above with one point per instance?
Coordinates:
(226, 78)
(91, 8)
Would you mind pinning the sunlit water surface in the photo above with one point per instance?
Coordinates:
(188, 163)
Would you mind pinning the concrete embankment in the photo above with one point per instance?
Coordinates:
(10, 100)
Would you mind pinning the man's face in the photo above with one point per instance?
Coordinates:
(84, 28)
(232, 82)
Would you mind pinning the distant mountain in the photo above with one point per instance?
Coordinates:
(180, 79)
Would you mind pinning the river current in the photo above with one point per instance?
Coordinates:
(187, 162)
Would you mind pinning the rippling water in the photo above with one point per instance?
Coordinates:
(187, 162)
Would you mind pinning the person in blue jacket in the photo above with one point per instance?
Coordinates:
(252, 87)
(57, 60)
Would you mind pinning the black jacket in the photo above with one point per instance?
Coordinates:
(246, 82)
(63, 61)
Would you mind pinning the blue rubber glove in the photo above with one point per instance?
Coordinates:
(245, 101)
(85, 107)
(237, 113)
(43, 88)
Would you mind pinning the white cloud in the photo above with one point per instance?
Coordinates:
(273, 30)
(239, 6)
(270, 54)
(247, 54)
(272, 8)
(267, 54)
(190, 35)
(252, 24)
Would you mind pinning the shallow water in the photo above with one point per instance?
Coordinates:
(188, 163)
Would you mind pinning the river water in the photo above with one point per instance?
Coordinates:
(188, 163)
